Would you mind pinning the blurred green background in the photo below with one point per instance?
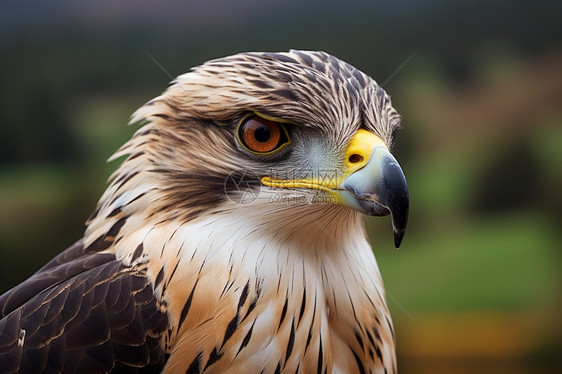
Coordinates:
(476, 286)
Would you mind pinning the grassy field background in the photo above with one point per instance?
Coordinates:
(476, 285)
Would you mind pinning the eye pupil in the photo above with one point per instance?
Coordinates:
(262, 134)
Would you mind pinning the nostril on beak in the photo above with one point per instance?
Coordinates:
(355, 158)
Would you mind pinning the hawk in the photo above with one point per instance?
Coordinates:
(230, 239)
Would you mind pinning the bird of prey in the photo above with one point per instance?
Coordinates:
(231, 237)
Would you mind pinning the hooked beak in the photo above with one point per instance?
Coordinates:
(374, 183)
(379, 189)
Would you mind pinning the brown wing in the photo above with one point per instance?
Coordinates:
(82, 312)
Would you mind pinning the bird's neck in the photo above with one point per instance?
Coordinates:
(241, 260)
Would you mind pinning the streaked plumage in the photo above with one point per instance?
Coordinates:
(173, 275)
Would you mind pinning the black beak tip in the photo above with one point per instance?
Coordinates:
(398, 236)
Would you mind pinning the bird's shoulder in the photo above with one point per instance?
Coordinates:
(86, 308)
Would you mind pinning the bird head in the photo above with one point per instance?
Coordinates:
(300, 130)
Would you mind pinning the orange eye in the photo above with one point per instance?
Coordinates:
(262, 136)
